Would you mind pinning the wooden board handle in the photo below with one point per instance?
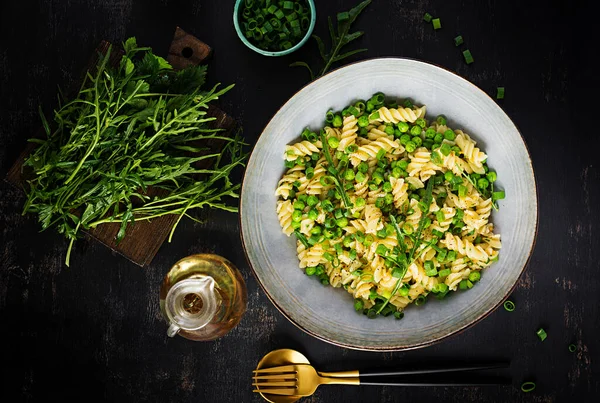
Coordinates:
(187, 50)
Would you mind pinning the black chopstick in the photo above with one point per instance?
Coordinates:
(435, 370)
(471, 380)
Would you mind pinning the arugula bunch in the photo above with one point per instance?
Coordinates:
(340, 37)
(131, 146)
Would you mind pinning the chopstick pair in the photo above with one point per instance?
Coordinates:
(437, 376)
(303, 379)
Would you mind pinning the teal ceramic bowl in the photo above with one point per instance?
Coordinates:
(238, 29)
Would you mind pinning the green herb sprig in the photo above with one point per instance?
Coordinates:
(427, 199)
(128, 147)
(340, 37)
(335, 175)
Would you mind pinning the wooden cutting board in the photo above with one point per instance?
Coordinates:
(143, 238)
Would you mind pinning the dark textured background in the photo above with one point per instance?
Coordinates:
(94, 332)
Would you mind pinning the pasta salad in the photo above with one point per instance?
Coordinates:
(388, 205)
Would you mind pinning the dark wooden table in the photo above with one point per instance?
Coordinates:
(93, 332)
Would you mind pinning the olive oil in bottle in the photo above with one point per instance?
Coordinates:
(203, 297)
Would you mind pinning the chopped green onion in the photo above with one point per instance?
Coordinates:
(509, 305)
(528, 387)
(468, 57)
(572, 348)
(421, 299)
(498, 195)
(500, 93)
(427, 17)
(458, 40)
(541, 333)
(382, 250)
(444, 273)
(474, 276)
(437, 24)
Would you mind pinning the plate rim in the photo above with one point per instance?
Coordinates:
(411, 346)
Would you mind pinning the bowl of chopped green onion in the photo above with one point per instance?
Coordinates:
(274, 28)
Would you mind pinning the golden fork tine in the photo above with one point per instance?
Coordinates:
(284, 368)
(288, 392)
(291, 376)
(275, 384)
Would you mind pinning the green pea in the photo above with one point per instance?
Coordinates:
(441, 119)
(349, 174)
(492, 176)
(360, 202)
(421, 122)
(405, 138)
(333, 142)
(316, 230)
(389, 198)
(312, 200)
(403, 127)
(299, 205)
(445, 149)
(363, 121)
(389, 130)
(439, 137)
(387, 187)
(313, 214)
(449, 135)
(416, 130)
(380, 202)
(311, 270)
(483, 183)
(337, 120)
(410, 147)
(430, 133)
(297, 215)
(363, 167)
(449, 176)
(342, 222)
(403, 164)
(417, 140)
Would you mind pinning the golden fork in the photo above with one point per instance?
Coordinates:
(303, 379)
(299, 380)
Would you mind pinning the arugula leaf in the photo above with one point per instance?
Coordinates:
(121, 152)
(130, 45)
(335, 174)
(339, 38)
(427, 199)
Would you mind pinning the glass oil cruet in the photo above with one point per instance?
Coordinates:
(202, 297)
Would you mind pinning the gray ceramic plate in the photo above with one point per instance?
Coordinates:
(328, 313)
